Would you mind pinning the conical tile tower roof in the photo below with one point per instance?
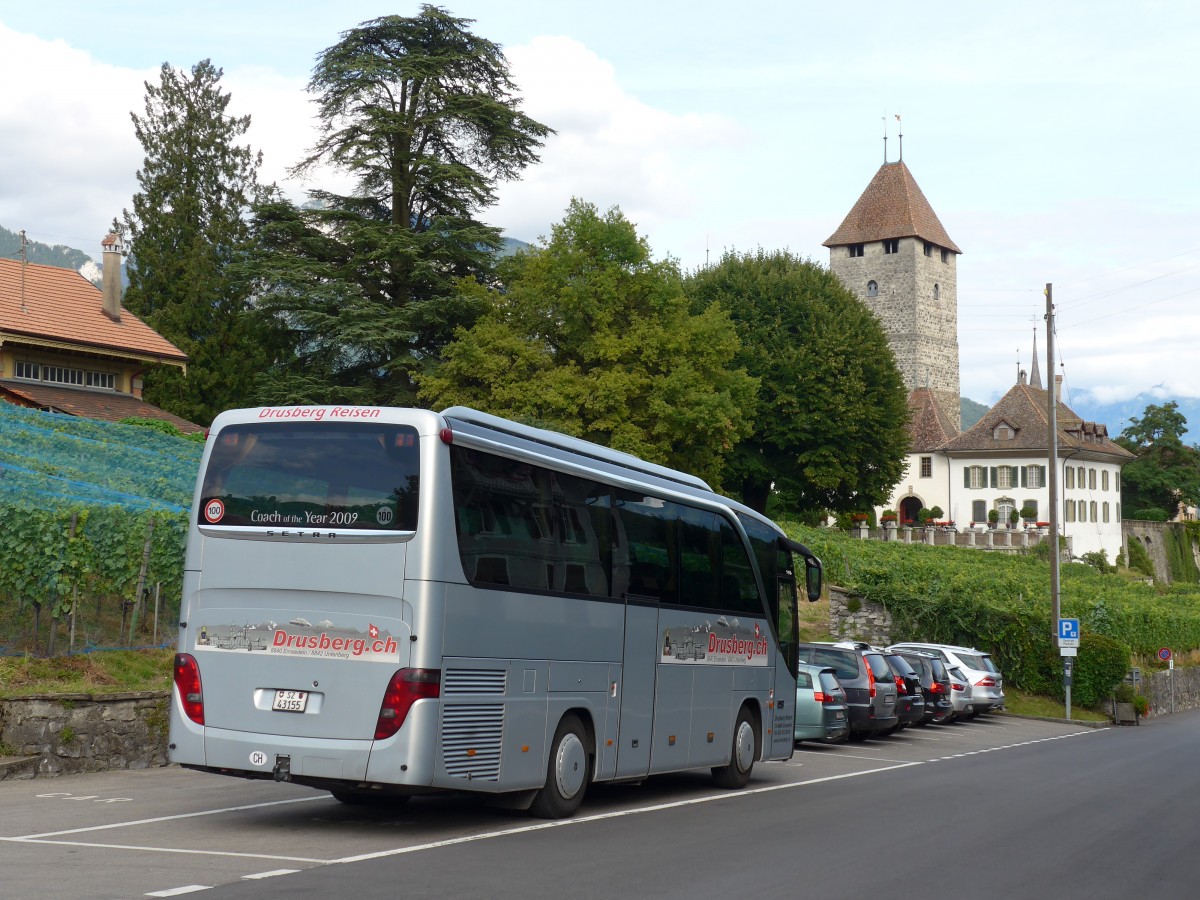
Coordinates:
(892, 206)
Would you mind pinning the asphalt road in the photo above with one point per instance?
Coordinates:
(997, 808)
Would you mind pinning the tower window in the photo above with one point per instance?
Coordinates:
(928, 249)
(855, 249)
(891, 245)
(937, 292)
(872, 289)
(945, 256)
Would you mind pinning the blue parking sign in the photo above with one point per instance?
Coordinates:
(1068, 629)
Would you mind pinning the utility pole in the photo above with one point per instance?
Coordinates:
(1052, 485)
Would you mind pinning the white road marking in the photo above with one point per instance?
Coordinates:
(181, 850)
(271, 874)
(207, 812)
(187, 889)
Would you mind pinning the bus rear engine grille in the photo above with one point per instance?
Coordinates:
(472, 735)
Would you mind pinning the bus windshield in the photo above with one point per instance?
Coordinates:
(313, 475)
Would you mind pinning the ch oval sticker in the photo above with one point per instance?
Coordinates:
(258, 758)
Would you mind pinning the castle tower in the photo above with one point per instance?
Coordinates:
(893, 253)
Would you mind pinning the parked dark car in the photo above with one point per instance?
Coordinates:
(868, 681)
(935, 684)
(821, 713)
(910, 699)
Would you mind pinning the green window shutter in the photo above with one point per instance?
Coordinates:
(1024, 476)
(995, 478)
(967, 477)
(1044, 482)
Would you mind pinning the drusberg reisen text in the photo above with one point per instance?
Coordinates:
(320, 413)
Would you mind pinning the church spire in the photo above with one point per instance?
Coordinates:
(1035, 374)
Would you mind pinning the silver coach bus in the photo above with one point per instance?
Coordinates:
(383, 602)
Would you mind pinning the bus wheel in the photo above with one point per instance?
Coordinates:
(745, 751)
(567, 772)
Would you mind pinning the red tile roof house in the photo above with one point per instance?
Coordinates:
(68, 347)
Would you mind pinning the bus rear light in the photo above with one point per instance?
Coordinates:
(406, 688)
(187, 682)
(447, 435)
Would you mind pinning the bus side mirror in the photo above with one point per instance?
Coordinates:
(812, 578)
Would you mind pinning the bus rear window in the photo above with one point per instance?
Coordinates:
(313, 475)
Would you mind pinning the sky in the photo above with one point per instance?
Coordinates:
(1055, 141)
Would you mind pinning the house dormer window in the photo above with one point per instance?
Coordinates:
(855, 249)
(891, 245)
(872, 289)
(1003, 432)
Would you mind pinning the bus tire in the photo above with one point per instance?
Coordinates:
(742, 756)
(567, 772)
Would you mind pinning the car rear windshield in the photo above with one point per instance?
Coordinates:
(844, 662)
(830, 684)
(878, 665)
(901, 665)
(939, 670)
(313, 475)
(971, 661)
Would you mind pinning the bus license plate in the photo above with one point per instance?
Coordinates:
(290, 701)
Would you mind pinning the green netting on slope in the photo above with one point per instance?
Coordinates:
(48, 461)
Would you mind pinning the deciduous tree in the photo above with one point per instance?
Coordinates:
(829, 433)
(1166, 471)
(591, 337)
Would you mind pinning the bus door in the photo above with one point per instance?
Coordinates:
(639, 666)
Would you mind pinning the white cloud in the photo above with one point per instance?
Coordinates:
(67, 146)
(610, 148)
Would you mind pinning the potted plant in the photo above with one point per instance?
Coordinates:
(1013, 517)
(1128, 705)
(1028, 514)
(993, 518)
(889, 515)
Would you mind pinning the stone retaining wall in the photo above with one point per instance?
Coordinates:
(851, 617)
(1157, 687)
(64, 734)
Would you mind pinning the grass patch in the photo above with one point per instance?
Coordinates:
(1048, 707)
(103, 672)
(813, 620)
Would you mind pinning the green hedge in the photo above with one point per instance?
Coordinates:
(1001, 603)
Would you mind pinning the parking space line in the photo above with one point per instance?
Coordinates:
(99, 846)
(207, 812)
